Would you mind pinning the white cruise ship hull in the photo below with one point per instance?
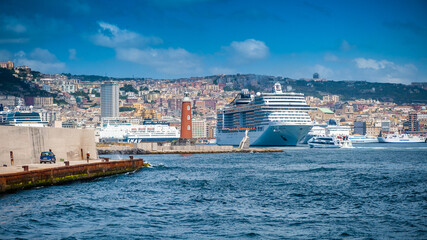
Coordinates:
(273, 135)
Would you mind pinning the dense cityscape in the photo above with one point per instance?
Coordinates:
(76, 103)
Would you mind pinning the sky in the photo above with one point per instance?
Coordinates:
(380, 41)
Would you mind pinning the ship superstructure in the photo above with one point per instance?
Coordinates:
(273, 119)
(22, 117)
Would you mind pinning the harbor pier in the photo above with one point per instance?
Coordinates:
(168, 148)
(34, 175)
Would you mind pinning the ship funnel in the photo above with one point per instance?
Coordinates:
(277, 88)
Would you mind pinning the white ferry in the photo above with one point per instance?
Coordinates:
(133, 133)
(362, 139)
(273, 119)
(401, 138)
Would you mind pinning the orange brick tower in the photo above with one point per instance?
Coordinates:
(186, 127)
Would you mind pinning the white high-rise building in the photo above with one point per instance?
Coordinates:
(109, 99)
(199, 129)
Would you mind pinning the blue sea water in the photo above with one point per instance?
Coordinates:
(375, 191)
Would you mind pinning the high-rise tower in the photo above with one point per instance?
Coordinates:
(413, 123)
(186, 127)
(109, 99)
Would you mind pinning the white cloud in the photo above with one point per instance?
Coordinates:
(386, 71)
(371, 63)
(329, 57)
(248, 50)
(43, 55)
(221, 70)
(13, 40)
(406, 68)
(110, 35)
(345, 46)
(170, 61)
(382, 64)
(40, 60)
(323, 71)
(14, 25)
(72, 54)
(133, 47)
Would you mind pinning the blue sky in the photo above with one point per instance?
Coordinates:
(382, 41)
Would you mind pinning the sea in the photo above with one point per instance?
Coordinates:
(372, 191)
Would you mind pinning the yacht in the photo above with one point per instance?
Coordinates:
(330, 142)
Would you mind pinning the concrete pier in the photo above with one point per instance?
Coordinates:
(33, 175)
(155, 148)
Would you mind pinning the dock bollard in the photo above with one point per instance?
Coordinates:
(25, 168)
(67, 163)
(131, 157)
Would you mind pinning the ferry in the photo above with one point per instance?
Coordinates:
(401, 138)
(272, 119)
(149, 131)
(22, 116)
(330, 142)
(362, 139)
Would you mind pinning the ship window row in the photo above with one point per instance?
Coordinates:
(277, 101)
(280, 98)
(294, 121)
(279, 115)
(297, 117)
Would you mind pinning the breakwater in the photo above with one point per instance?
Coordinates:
(56, 175)
(181, 150)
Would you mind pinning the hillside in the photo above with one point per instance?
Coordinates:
(11, 85)
(351, 90)
(348, 90)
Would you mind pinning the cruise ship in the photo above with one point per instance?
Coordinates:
(272, 119)
(149, 131)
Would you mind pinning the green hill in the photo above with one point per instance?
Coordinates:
(14, 86)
